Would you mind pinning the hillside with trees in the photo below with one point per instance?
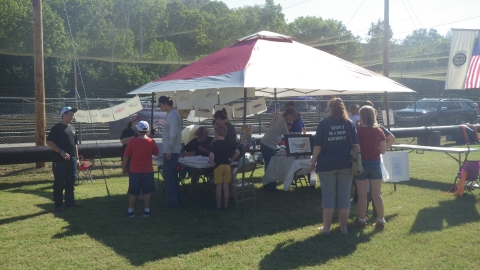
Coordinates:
(123, 44)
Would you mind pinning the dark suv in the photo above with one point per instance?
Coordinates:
(437, 112)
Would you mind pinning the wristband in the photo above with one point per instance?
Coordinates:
(60, 151)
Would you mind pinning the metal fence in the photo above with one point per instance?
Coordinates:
(17, 115)
(17, 119)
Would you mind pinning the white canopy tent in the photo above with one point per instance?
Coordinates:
(271, 63)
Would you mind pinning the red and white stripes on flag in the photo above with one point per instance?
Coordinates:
(473, 74)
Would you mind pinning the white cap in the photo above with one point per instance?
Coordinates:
(67, 109)
(142, 126)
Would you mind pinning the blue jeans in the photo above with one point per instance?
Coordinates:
(171, 179)
(267, 154)
(64, 174)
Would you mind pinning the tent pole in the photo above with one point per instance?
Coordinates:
(151, 115)
(243, 152)
(275, 100)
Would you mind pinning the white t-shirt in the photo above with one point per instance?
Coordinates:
(273, 136)
(355, 118)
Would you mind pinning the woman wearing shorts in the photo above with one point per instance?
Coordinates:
(372, 140)
(331, 159)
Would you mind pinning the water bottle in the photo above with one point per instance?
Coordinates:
(313, 178)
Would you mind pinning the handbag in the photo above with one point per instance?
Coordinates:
(355, 155)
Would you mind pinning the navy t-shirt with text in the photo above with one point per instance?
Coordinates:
(332, 136)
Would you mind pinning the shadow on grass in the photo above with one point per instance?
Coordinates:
(456, 212)
(6, 186)
(191, 228)
(15, 219)
(318, 249)
(427, 184)
(194, 227)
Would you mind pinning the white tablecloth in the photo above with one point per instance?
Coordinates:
(282, 169)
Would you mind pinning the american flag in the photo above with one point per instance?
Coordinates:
(473, 74)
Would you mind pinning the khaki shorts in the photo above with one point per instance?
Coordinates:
(222, 174)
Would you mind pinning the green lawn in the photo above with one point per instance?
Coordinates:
(426, 227)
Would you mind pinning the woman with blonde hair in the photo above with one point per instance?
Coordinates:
(372, 140)
(331, 159)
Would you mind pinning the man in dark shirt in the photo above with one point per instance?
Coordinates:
(297, 125)
(63, 141)
(201, 147)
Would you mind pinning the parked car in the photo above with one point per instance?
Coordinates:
(437, 112)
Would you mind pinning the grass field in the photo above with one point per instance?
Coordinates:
(427, 228)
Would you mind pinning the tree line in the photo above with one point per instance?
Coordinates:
(123, 44)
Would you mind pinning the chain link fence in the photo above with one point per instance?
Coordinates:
(17, 119)
(17, 115)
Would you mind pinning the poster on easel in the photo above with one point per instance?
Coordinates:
(246, 135)
(397, 166)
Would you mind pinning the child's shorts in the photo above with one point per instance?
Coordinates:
(140, 182)
(221, 174)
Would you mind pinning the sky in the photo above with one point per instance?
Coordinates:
(405, 15)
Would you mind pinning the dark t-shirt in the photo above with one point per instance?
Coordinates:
(231, 134)
(332, 136)
(65, 138)
(128, 132)
(223, 150)
(297, 125)
(193, 145)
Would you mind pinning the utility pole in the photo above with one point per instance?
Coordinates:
(40, 117)
(386, 38)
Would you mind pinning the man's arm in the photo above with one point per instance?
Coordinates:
(125, 141)
(235, 156)
(390, 141)
(124, 165)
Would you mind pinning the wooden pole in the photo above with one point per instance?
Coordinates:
(40, 117)
(386, 38)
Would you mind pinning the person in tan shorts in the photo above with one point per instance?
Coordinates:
(222, 153)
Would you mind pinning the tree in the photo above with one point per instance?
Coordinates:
(374, 47)
(328, 35)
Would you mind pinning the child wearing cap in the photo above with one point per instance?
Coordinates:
(62, 139)
(139, 153)
(222, 153)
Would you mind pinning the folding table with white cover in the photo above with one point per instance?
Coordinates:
(283, 168)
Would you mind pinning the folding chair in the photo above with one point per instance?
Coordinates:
(472, 169)
(300, 175)
(248, 183)
(84, 167)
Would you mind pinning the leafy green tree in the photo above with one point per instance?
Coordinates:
(328, 35)
(423, 58)
(186, 29)
(374, 47)
(16, 38)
